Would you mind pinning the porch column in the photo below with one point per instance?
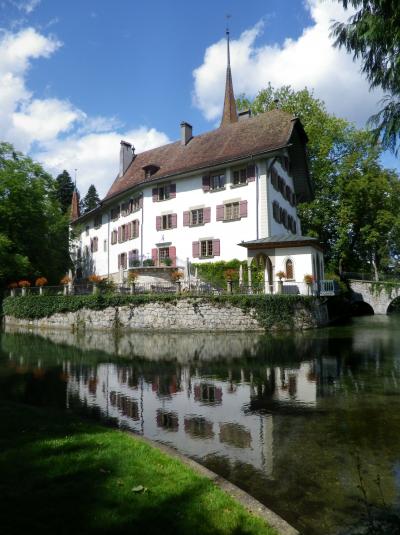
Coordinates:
(267, 288)
(249, 276)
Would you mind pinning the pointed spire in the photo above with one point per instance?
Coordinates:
(75, 211)
(229, 115)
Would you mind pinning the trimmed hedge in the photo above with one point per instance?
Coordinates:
(270, 310)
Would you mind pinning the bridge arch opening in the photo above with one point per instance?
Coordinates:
(394, 306)
(361, 308)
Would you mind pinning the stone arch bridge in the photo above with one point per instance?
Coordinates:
(378, 295)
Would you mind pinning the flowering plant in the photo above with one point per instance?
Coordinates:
(65, 280)
(12, 285)
(281, 275)
(308, 279)
(41, 281)
(96, 279)
(132, 276)
(176, 275)
(230, 274)
(24, 284)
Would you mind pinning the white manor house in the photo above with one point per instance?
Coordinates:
(225, 194)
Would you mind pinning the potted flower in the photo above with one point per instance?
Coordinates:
(12, 287)
(308, 279)
(65, 281)
(24, 284)
(229, 275)
(281, 275)
(176, 277)
(96, 280)
(40, 282)
(132, 278)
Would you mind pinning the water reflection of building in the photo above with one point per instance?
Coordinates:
(200, 416)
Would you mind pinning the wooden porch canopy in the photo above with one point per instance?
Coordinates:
(280, 241)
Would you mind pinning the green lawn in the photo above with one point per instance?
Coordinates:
(61, 475)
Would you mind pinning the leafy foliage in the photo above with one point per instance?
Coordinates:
(34, 231)
(372, 34)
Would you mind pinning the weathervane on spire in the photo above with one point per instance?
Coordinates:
(228, 16)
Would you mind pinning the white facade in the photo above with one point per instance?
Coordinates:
(247, 214)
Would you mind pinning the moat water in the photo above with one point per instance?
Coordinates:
(294, 419)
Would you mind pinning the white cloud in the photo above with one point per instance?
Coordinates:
(309, 61)
(96, 155)
(61, 135)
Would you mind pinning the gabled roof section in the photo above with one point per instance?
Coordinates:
(281, 240)
(263, 133)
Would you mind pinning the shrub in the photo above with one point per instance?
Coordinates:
(167, 261)
(148, 262)
(41, 281)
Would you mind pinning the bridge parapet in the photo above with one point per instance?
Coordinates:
(378, 295)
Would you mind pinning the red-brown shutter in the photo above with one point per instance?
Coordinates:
(220, 212)
(172, 255)
(174, 220)
(119, 234)
(154, 255)
(207, 215)
(186, 219)
(251, 173)
(172, 191)
(243, 209)
(216, 248)
(195, 249)
(158, 222)
(155, 194)
(206, 183)
(119, 261)
(137, 228)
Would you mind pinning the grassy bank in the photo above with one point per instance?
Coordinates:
(63, 475)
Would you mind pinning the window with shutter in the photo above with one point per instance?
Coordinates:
(206, 248)
(197, 217)
(217, 181)
(186, 219)
(231, 211)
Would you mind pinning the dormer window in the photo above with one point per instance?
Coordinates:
(150, 170)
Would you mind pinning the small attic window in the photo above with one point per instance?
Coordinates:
(150, 169)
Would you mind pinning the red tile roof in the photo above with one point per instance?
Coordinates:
(262, 133)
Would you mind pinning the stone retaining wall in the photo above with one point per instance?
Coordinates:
(184, 315)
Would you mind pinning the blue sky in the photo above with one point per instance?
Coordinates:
(78, 76)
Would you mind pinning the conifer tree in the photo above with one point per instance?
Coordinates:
(64, 190)
(91, 199)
